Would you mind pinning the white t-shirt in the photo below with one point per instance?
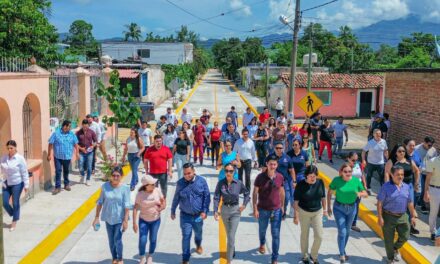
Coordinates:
(145, 134)
(171, 118)
(186, 118)
(279, 105)
(189, 133)
(376, 151)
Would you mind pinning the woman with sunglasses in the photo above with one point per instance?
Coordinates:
(229, 190)
(358, 172)
(348, 189)
(134, 146)
(399, 156)
(214, 142)
(261, 136)
(228, 157)
(114, 204)
(149, 202)
(13, 167)
(309, 149)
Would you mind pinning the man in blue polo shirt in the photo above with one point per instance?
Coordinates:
(193, 197)
(62, 142)
(285, 168)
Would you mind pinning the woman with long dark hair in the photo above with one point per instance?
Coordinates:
(181, 151)
(214, 142)
(134, 147)
(252, 127)
(14, 168)
(307, 146)
(114, 207)
(169, 136)
(306, 130)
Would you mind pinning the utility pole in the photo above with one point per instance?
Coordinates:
(267, 82)
(309, 73)
(294, 56)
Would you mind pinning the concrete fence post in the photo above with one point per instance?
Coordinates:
(83, 76)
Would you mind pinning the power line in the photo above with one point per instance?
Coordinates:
(318, 6)
(207, 20)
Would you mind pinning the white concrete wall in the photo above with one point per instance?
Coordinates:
(156, 91)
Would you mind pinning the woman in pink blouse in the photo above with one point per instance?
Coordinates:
(150, 202)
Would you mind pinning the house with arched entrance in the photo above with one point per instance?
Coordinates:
(24, 117)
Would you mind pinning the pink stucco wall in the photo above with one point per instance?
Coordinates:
(344, 101)
(14, 89)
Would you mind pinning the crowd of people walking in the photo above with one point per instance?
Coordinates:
(287, 184)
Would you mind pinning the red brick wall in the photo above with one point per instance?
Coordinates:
(413, 102)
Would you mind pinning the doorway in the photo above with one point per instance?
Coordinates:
(365, 103)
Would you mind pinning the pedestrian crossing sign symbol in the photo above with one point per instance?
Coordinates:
(310, 103)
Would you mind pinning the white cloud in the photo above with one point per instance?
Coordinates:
(239, 4)
(390, 9)
(143, 29)
(203, 38)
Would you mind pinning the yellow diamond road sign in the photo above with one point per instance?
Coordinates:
(310, 104)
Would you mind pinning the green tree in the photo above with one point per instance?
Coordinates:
(133, 32)
(81, 39)
(417, 58)
(386, 56)
(25, 31)
(417, 40)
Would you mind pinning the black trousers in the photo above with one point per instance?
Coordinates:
(246, 167)
(215, 150)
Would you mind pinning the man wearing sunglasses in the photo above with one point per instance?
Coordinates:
(193, 197)
(268, 204)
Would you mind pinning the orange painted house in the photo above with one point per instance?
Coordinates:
(348, 95)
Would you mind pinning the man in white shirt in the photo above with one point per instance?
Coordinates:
(185, 117)
(171, 117)
(377, 149)
(426, 152)
(95, 128)
(247, 117)
(340, 129)
(279, 106)
(103, 130)
(432, 192)
(245, 149)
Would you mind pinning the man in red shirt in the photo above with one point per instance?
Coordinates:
(199, 139)
(265, 115)
(158, 161)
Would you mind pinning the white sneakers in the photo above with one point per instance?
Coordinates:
(87, 183)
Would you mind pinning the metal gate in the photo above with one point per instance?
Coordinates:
(27, 129)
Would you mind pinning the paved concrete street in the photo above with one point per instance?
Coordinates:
(215, 94)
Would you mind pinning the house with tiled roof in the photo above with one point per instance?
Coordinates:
(349, 95)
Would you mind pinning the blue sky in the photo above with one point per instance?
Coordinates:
(108, 17)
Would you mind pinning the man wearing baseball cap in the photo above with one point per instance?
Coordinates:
(379, 124)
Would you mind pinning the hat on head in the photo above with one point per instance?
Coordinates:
(147, 179)
(379, 115)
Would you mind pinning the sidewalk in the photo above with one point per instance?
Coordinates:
(45, 212)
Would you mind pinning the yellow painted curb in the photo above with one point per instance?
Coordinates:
(45, 248)
(245, 100)
(193, 90)
(408, 252)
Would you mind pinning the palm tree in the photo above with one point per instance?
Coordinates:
(133, 32)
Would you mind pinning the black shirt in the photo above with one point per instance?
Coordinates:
(230, 193)
(327, 133)
(379, 125)
(408, 173)
(181, 146)
(309, 195)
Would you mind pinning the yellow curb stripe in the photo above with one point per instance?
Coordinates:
(45, 248)
(193, 90)
(408, 252)
(222, 238)
(245, 100)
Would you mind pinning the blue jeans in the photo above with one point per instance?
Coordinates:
(275, 227)
(64, 166)
(344, 215)
(288, 189)
(85, 163)
(145, 228)
(134, 161)
(422, 193)
(358, 202)
(114, 233)
(15, 192)
(180, 160)
(337, 148)
(371, 168)
(187, 225)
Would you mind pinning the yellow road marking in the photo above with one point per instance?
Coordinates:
(408, 252)
(45, 248)
(190, 95)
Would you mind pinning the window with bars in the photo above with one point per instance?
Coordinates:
(27, 129)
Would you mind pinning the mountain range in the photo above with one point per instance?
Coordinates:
(383, 32)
